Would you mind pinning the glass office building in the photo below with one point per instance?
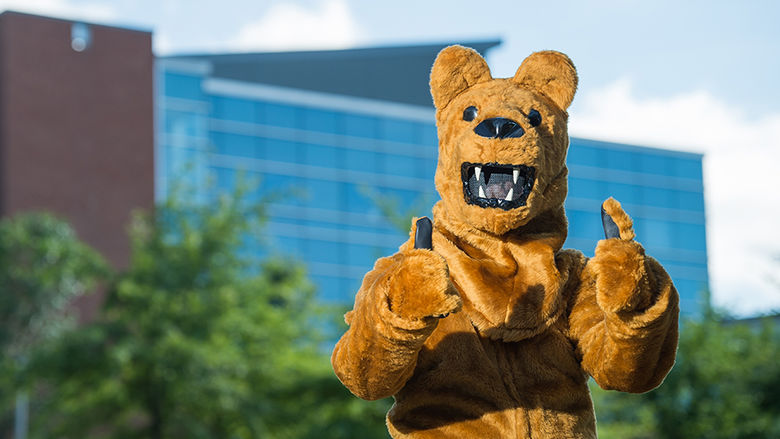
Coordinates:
(322, 156)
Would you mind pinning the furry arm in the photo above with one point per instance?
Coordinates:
(623, 318)
(395, 311)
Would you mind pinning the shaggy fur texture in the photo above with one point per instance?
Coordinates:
(525, 322)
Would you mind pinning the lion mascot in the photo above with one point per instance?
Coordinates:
(482, 326)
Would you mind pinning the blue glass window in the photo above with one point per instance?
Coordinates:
(404, 198)
(691, 200)
(287, 245)
(282, 189)
(286, 220)
(367, 161)
(236, 109)
(619, 159)
(353, 285)
(320, 120)
(656, 233)
(389, 251)
(654, 163)
(585, 225)
(333, 289)
(686, 271)
(323, 251)
(399, 130)
(401, 165)
(691, 292)
(179, 123)
(659, 197)
(183, 159)
(625, 193)
(585, 188)
(280, 115)
(325, 224)
(324, 194)
(584, 155)
(689, 168)
(691, 236)
(187, 168)
(358, 198)
(226, 179)
(179, 85)
(429, 135)
(361, 126)
(320, 155)
(235, 145)
(373, 226)
(429, 169)
(362, 255)
(280, 150)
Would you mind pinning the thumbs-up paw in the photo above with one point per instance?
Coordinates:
(616, 222)
(619, 263)
(420, 284)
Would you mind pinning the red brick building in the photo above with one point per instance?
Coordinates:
(76, 126)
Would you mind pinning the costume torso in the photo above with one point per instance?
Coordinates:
(468, 386)
(503, 366)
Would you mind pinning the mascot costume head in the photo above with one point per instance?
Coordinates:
(502, 142)
(482, 326)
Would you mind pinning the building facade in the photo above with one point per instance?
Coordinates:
(339, 160)
(341, 144)
(76, 127)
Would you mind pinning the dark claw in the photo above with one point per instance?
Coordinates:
(423, 235)
(611, 229)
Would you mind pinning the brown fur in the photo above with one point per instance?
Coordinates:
(535, 320)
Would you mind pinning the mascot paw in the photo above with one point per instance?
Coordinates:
(420, 286)
(617, 223)
(619, 263)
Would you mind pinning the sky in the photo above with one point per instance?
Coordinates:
(695, 76)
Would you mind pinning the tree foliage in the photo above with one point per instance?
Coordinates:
(725, 384)
(200, 340)
(43, 267)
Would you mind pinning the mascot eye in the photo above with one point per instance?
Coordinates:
(470, 113)
(535, 118)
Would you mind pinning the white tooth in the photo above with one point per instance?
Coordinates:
(477, 171)
(482, 192)
(509, 195)
(515, 174)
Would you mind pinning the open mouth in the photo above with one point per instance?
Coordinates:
(497, 185)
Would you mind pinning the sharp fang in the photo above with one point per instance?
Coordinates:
(515, 174)
(509, 195)
(477, 171)
(482, 192)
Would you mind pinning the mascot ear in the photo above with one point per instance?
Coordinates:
(551, 74)
(456, 68)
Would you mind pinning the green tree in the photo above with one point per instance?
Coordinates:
(725, 384)
(200, 340)
(43, 268)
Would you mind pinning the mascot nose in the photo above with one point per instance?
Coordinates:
(499, 128)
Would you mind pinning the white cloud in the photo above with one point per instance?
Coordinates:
(289, 26)
(741, 178)
(62, 9)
